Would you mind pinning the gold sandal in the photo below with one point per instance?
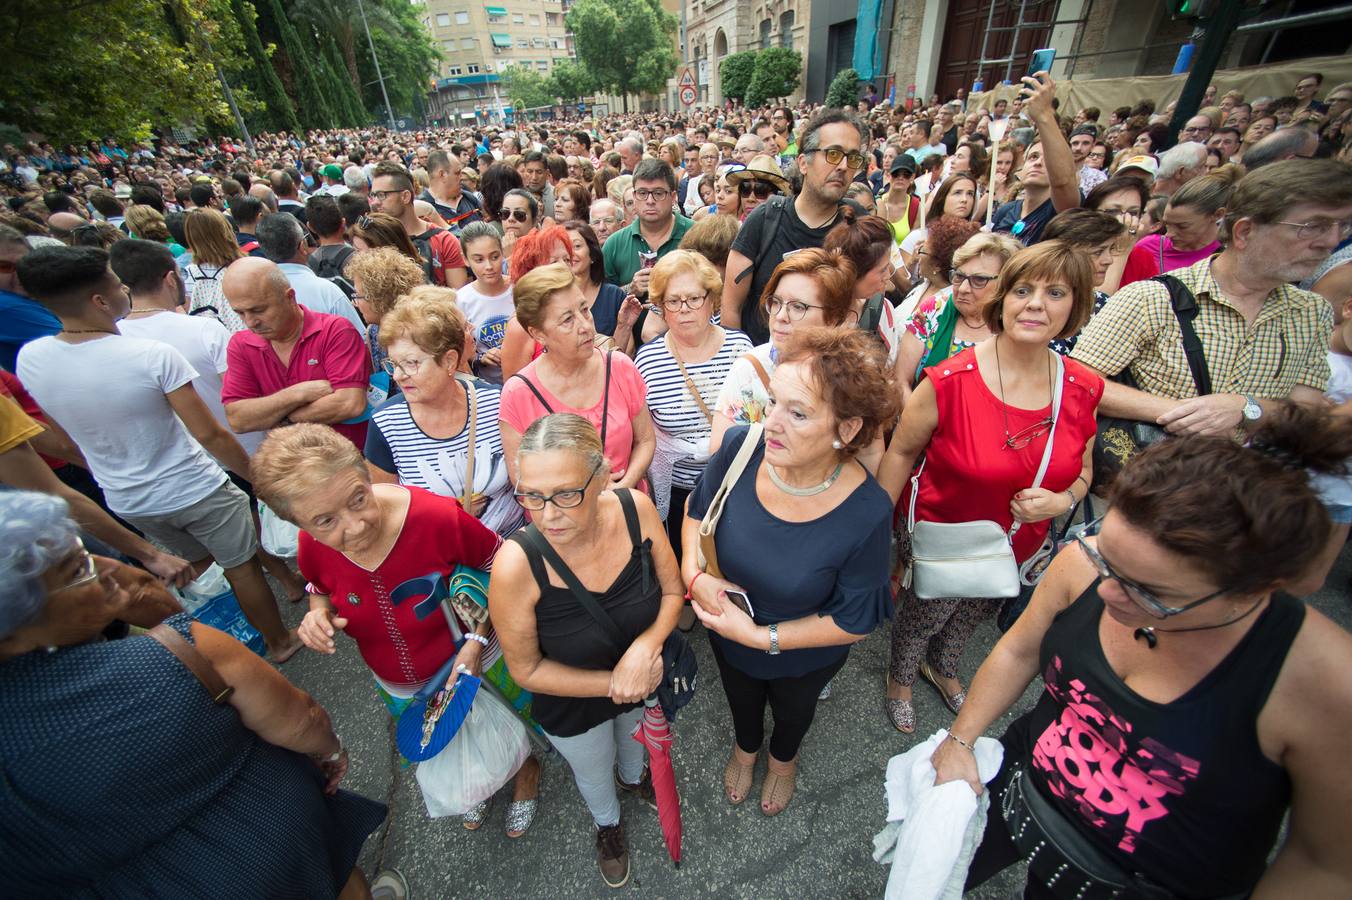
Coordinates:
(778, 790)
(737, 779)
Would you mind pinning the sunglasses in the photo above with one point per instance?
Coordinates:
(519, 214)
(762, 189)
(853, 158)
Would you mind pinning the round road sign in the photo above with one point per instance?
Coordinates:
(688, 95)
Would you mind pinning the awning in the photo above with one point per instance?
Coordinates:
(502, 40)
(496, 10)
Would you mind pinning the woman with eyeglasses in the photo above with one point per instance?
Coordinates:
(244, 788)
(933, 260)
(811, 287)
(1188, 704)
(587, 690)
(684, 372)
(982, 420)
(372, 550)
(574, 375)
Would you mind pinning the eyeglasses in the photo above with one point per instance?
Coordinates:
(1139, 595)
(644, 195)
(978, 282)
(762, 189)
(676, 304)
(410, 367)
(519, 214)
(853, 158)
(1318, 228)
(89, 572)
(561, 499)
(1022, 438)
(795, 308)
(381, 195)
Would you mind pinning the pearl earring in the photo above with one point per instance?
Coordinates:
(837, 445)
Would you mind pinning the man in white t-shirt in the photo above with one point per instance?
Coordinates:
(130, 405)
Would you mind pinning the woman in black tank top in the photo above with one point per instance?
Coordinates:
(588, 689)
(1187, 702)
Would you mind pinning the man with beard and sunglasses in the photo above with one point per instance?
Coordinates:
(657, 229)
(830, 155)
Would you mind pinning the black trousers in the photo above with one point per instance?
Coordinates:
(792, 701)
(676, 519)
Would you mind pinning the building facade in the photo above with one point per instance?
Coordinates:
(478, 40)
(714, 29)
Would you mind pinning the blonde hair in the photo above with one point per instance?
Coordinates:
(386, 274)
(616, 187)
(533, 291)
(147, 223)
(210, 238)
(563, 431)
(296, 459)
(679, 261)
(429, 317)
(1001, 245)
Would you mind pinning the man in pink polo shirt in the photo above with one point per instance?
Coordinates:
(293, 364)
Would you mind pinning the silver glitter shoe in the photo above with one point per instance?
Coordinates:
(825, 692)
(520, 815)
(473, 819)
(901, 713)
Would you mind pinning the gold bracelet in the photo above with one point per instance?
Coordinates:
(961, 743)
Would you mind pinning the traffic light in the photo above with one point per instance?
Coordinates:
(1191, 9)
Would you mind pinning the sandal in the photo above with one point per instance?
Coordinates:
(777, 790)
(901, 713)
(521, 813)
(477, 815)
(954, 701)
(737, 779)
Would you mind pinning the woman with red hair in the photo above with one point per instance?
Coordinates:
(532, 250)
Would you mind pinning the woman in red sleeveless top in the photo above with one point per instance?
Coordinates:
(982, 420)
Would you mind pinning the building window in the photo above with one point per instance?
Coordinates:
(472, 68)
(462, 18)
(448, 45)
(443, 20)
(543, 65)
(523, 42)
(452, 71)
(534, 19)
(518, 19)
(495, 19)
(555, 43)
(551, 18)
(786, 30)
(537, 43)
(467, 43)
(765, 34)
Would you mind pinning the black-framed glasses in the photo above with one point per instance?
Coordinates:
(978, 282)
(1319, 227)
(519, 214)
(762, 189)
(676, 304)
(381, 195)
(796, 309)
(1139, 595)
(567, 499)
(1025, 436)
(853, 158)
(643, 195)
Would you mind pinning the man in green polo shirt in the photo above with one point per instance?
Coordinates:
(657, 229)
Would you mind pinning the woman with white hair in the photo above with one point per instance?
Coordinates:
(245, 767)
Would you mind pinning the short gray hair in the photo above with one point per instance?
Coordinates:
(36, 532)
(1187, 155)
(562, 431)
(355, 178)
(279, 236)
(1284, 143)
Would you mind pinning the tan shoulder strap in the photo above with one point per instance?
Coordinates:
(707, 550)
(760, 369)
(689, 382)
(472, 415)
(194, 662)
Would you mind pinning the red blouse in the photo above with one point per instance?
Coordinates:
(403, 644)
(970, 474)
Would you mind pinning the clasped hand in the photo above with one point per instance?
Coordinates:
(637, 674)
(719, 614)
(1038, 505)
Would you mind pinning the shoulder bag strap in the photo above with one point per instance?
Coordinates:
(1051, 434)
(769, 229)
(605, 402)
(760, 369)
(631, 522)
(472, 414)
(194, 662)
(584, 597)
(709, 524)
(1185, 309)
(1159, 253)
(534, 390)
(689, 382)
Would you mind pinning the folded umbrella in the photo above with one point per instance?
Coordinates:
(654, 732)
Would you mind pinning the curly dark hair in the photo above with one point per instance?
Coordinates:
(943, 236)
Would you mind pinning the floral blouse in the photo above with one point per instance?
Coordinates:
(925, 324)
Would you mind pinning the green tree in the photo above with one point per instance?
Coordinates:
(525, 87)
(844, 89)
(408, 58)
(777, 72)
(625, 44)
(116, 67)
(734, 74)
(296, 63)
(571, 80)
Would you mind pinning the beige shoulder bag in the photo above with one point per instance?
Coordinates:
(707, 552)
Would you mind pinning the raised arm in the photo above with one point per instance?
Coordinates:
(1061, 174)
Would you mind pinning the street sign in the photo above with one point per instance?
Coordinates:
(687, 78)
(688, 94)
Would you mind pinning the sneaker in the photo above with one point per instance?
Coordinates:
(643, 790)
(389, 884)
(826, 692)
(612, 855)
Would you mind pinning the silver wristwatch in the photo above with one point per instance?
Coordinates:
(1253, 411)
(774, 639)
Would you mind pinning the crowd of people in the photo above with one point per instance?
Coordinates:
(765, 373)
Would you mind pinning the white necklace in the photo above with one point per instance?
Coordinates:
(807, 491)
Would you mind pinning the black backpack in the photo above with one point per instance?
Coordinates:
(330, 266)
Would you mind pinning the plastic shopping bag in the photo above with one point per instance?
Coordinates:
(210, 601)
(278, 536)
(483, 756)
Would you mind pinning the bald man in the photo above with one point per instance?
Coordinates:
(292, 364)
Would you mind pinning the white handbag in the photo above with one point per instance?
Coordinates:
(969, 559)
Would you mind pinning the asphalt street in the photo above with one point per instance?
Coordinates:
(820, 846)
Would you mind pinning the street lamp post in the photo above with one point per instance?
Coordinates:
(389, 111)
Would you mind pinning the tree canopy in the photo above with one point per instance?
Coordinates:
(777, 73)
(844, 88)
(626, 45)
(734, 74)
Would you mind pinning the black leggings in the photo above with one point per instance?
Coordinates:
(676, 518)
(793, 703)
